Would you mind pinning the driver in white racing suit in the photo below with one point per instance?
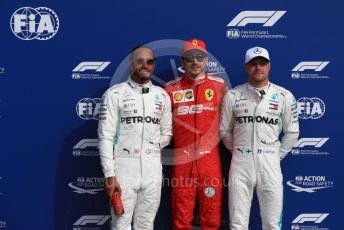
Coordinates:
(253, 116)
(135, 123)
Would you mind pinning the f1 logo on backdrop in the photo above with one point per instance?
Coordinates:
(39, 23)
(312, 69)
(86, 147)
(267, 18)
(92, 69)
(313, 65)
(92, 219)
(85, 143)
(97, 66)
(316, 142)
(316, 218)
(310, 146)
(312, 221)
(310, 108)
(88, 108)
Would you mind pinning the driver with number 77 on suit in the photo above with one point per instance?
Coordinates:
(252, 117)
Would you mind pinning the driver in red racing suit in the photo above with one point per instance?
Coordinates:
(196, 101)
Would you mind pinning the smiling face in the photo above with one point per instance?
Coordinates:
(258, 71)
(142, 63)
(194, 62)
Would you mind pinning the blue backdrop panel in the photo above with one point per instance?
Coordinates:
(58, 57)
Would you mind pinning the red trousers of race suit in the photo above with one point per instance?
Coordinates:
(204, 183)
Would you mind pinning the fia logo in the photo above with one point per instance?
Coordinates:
(310, 108)
(39, 23)
(88, 108)
(233, 33)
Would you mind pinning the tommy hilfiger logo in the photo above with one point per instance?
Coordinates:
(273, 105)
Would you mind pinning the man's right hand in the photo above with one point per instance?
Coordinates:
(112, 185)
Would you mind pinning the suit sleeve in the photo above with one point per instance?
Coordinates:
(166, 123)
(107, 130)
(227, 120)
(290, 125)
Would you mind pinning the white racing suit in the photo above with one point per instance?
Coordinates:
(251, 122)
(135, 123)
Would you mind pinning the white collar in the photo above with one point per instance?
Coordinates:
(135, 84)
(265, 87)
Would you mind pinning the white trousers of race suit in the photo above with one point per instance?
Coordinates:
(135, 122)
(244, 178)
(251, 123)
(140, 195)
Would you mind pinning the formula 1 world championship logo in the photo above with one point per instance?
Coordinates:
(39, 23)
(248, 18)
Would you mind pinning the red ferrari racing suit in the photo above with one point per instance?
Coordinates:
(197, 168)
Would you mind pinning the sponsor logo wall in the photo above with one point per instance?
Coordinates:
(58, 58)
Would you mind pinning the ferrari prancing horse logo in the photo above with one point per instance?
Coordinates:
(209, 94)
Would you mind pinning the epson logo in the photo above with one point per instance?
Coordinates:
(310, 108)
(92, 219)
(140, 119)
(311, 65)
(267, 18)
(316, 218)
(259, 119)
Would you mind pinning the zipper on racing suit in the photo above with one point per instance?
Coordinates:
(196, 142)
(143, 128)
